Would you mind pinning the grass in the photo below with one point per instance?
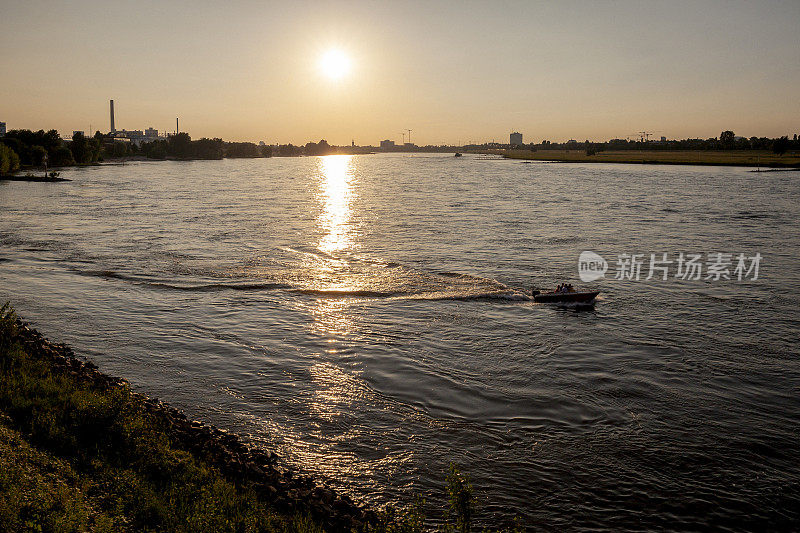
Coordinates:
(79, 457)
(83, 459)
(748, 158)
(41, 492)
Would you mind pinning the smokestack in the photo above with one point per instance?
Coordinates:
(177, 128)
(113, 130)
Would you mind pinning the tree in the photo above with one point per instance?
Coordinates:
(96, 147)
(241, 149)
(80, 149)
(780, 145)
(727, 139)
(207, 148)
(120, 149)
(288, 150)
(62, 157)
(180, 146)
(16, 146)
(155, 149)
(9, 160)
(320, 148)
(38, 153)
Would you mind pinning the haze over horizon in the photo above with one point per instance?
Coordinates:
(453, 72)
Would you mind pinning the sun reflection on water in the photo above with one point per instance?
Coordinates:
(331, 268)
(336, 194)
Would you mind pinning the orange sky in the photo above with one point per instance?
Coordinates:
(453, 72)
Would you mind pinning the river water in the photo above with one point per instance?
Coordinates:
(367, 317)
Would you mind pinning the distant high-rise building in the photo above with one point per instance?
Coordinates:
(2, 129)
(387, 144)
(515, 139)
(151, 132)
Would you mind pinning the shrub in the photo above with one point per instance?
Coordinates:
(461, 501)
(9, 160)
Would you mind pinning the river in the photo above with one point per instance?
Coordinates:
(368, 317)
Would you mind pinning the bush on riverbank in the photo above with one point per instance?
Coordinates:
(9, 160)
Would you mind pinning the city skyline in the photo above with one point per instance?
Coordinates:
(251, 72)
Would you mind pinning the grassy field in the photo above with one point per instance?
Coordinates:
(750, 158)
(79, 451)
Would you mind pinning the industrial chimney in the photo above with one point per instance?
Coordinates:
(113, 130)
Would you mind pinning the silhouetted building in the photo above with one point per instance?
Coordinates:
(75, 132)
(515, 139)
(2, 129)
(151, 132)
(387, 145)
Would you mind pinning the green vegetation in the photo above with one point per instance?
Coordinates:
(25, 148)
(88, 459)
(77, 454)
(34, 148)
(462, 502)
(727, 149)
(9, 160)
(30, 146)
(181, 146)
(750, 158)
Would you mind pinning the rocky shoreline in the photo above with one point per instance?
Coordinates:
(243, 464)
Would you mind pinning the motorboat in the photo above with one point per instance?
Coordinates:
(584, 297)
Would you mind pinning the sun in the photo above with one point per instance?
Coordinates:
(335, 64)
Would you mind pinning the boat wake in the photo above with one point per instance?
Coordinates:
(369, 280)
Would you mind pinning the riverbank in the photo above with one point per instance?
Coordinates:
(30, 177)
(744, 158)
(80, 451)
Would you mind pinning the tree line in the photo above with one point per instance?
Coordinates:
(727, 140)
(26, 148)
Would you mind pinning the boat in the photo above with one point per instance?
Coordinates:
(458, 154)
(583, 297)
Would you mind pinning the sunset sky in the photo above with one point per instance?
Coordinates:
(453, 72)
